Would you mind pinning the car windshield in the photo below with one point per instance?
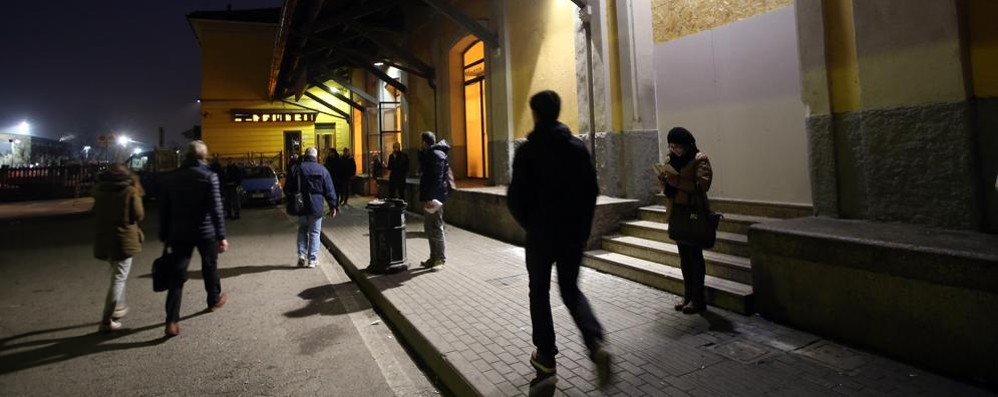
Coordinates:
(260, 173)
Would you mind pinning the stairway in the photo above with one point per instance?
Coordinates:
(642, 252)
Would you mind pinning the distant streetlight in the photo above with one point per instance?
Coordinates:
(86, 152)
(123, 141)
(24, 128)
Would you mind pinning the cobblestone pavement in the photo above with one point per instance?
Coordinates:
(475, 314)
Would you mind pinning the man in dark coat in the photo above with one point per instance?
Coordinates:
(553, 197)
(347, 169)
(316, 186)
(398, 164)
(190, 213)
(233, 179)
(433, 190)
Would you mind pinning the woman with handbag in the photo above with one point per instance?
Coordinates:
(118, 211)
(688, 189)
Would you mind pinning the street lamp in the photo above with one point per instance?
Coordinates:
(123, 141)
(137, 151)
(24, 128)
(86, 152)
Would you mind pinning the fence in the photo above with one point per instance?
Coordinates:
(39, 183)
(273, 159)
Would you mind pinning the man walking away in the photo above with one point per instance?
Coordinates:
(316, 186)
(190, 213)
(398, 164)
(433, 189)
(553, 197)
(233, 179)
(348, 169)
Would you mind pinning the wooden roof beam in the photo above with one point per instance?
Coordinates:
(459, 17)
(331, 91)
(350, 14)
(328, 105)
(408, 58)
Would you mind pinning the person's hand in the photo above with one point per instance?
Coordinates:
(223, 246)
(332, 213)
(426, 205)
(672, 179)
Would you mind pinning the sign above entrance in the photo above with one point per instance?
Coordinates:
(272, 116)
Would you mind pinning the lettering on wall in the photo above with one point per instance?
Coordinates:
(272, 116)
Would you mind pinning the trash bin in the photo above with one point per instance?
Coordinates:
(387, 234)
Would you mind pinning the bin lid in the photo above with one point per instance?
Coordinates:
(377, 204)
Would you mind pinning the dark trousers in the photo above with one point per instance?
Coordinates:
(233, 204)
(694, 271)
(540, 259)
(343, 191)
(396, 189)
(208, 250)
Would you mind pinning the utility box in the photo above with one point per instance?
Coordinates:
(387, 233)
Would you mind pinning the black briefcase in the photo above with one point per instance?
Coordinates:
(165, 271)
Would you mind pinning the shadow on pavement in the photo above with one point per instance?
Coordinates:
(228, 272)
(717, 322)
(65, 349)
(321, 301)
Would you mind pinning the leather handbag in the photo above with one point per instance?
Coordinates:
(694, 224)
(296, 203)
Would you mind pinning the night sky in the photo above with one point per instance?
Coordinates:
(95, 67)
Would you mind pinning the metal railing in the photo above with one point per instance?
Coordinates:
(41, 183)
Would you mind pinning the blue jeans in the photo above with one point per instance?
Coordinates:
(308, 236)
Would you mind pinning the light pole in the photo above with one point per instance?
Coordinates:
(86, 153)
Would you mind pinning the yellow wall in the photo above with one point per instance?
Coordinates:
(843, 65)
(984, 47)
(542, 57)
(672, 19)
(236, 59)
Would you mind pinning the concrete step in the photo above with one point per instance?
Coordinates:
(727, 243)
(729, 267)
(730, 223)
(753, 208)
(722, 293)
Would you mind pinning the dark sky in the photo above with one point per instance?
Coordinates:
(89, 67)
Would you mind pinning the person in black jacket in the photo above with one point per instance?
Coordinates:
(347, 169)
(190, 214)
(233, 179)
(434, 186)
(553, 197)
(316, 186)
(398, 164)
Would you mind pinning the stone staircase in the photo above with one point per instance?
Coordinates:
(642, 251)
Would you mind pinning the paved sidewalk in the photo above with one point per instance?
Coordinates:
(470, 323)
(45, 208)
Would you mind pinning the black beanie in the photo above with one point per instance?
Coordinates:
(681, 136)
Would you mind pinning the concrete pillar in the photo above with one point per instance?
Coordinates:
(499, 90)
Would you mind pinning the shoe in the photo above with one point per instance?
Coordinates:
(221, 302)
(437, 264)
(109, 325)
(119, 313)
(694, 308)
(172, 329)
(301, 260)
(312, 264)
(543, 386)
(602, 359)
(679, 306)
(544, 365)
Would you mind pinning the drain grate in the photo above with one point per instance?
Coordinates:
(741, 351)
(834, 356)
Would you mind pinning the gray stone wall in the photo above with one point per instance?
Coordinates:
(624, 163)
(915, 165)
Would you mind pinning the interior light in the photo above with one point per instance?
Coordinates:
(137, 151)
(379, 64)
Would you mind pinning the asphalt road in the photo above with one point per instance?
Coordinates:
(284, 331)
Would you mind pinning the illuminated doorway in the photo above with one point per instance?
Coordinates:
(476, 134)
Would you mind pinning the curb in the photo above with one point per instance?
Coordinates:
(438, 363)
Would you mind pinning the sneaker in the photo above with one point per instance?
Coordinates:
(119, 313)
(301, 260)
(312, 264)
(544, 365)
(109, 325)
(437, 264)
(602, 359)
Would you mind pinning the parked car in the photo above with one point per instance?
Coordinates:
(261, 185)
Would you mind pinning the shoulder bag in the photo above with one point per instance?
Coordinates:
(694, 224)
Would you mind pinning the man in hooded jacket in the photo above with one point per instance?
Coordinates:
(434, 186)
(553, 197)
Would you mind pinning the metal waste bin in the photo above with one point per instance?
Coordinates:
(387, 233)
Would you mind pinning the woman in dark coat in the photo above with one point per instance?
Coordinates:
(118, 211)
(688, 188)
